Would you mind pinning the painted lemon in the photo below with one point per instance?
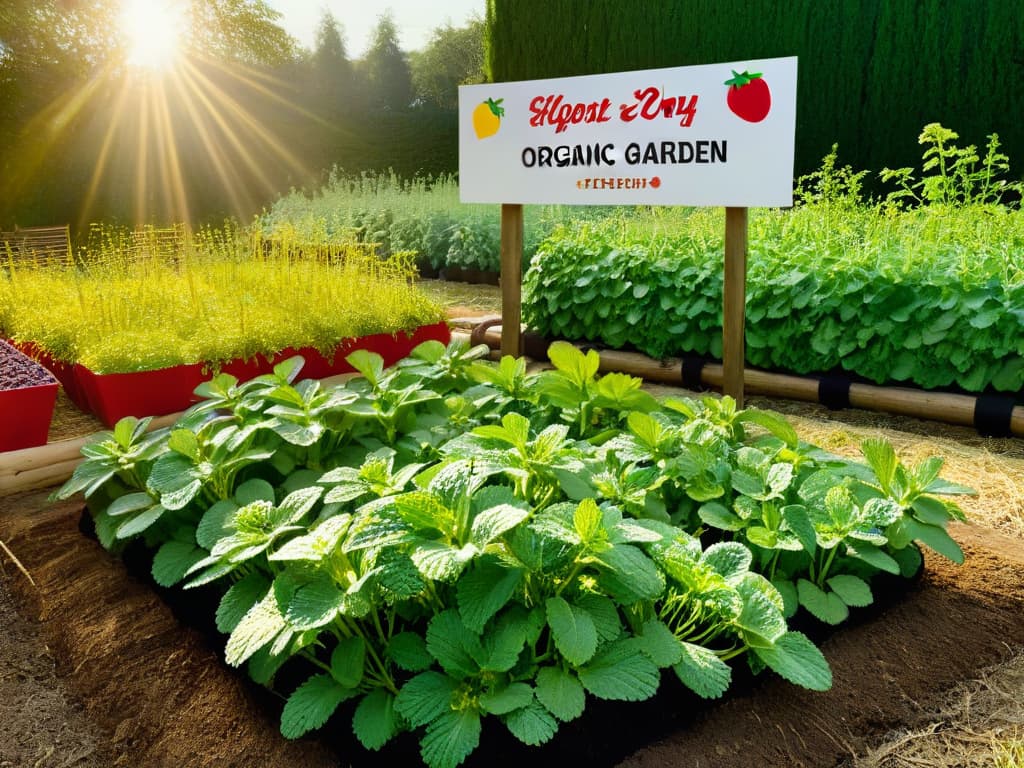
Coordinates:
(487, 118)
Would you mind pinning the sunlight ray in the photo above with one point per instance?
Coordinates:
(214, 151)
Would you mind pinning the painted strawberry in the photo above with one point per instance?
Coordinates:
(749, 97)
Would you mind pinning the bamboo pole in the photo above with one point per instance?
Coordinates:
(51, 464)
(947, 407)
(511, 279)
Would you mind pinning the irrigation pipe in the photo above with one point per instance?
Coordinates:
(989, 414)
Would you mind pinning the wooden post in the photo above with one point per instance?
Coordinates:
(511, 279)
(734, 303)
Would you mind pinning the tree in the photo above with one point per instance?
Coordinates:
(453, 57)
(333, 78)
(386, 66)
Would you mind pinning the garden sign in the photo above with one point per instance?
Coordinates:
(708, 135)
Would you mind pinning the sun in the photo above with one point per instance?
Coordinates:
(152, 31)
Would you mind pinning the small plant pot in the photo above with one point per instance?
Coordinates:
(28, 394)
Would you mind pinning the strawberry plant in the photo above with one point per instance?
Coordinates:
(449, 541)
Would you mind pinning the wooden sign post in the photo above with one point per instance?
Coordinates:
(734, 303)
(511, 279)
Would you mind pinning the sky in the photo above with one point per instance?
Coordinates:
(415, 19)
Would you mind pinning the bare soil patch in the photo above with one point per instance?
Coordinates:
(160, 695)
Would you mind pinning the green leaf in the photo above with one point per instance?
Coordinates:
(314, 604)
(492, 523)
(773, 422)
(703, 672)
(296, 505)
(506, 699)
(873, 556)
(561, 693)
(587, 520)
(621, 673)
(930, 535)
(317, 544)
(762, 537)
(882, 459)
(790, 600)
(824, 606)
(409, 652)
(853, 591)
(239, 600)
(260, 625)
(375, 722)
(629, 575)
(263, 665)
(184, 441)
(796, 659)
(799, 522)
(140, 522)
(931, 511)
(909, 559)
(760, 621)
(484, 591)
(216, 523)
(172, 561)
(348, 661)
(450, 739)
(728, 558)
(254, 490)
(440, 562)
(425, 697)
(717, 516)
(572, 629)
(658, 643)
(445, 635)
(532, 724)
(130, 502)
(604, 614)
(424, 510)
(311, 705)
(179, 499)
(369, 364)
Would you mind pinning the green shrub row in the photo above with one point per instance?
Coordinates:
(452, 540)
(933, 296)
(423, 215)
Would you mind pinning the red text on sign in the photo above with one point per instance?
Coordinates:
(650, 104)
(554, 110)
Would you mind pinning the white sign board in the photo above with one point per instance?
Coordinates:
(710, 135)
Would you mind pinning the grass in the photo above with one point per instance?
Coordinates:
(979, 725)
(222, 298)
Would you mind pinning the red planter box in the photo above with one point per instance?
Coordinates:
(112, 396)
(25, 414)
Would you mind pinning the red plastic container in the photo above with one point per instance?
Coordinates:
(113, 396)
(25, 415)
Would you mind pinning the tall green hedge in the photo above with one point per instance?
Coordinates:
(871, 72)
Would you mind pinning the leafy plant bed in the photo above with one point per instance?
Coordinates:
(456, 548)
(610, 732)
(114, 396)
(162, 696)
(28, 393)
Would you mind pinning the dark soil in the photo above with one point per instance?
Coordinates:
(162, 697)
(41, 723)
(18, 371)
